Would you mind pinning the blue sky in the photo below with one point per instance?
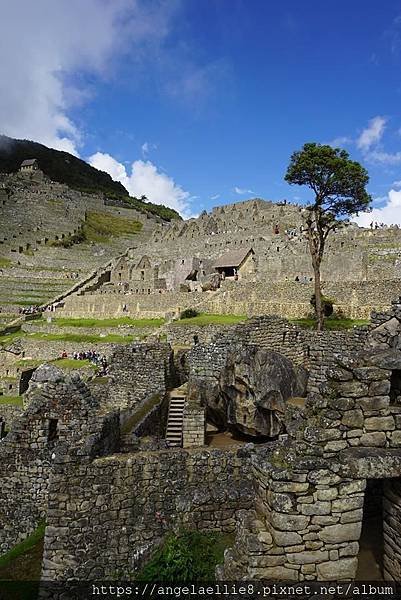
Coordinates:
(201, 102)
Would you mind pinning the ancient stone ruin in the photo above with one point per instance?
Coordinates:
(320, 463)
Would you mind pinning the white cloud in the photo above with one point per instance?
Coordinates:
(340, 141)
(147, 147)
(242, 191)
(384, 158)
(50, 45)
(215, 197)
(390, 213)
(372, 134)
(145, 179)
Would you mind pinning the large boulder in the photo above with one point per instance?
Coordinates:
(253, 389)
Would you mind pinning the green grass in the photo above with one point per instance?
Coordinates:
(331, 324)
(99, 227)
(81, 338)
(14, 400)
(210, 319)
(140, 413)
(28, 362)
(11, 337)
(5, 262)
(71, 363)
(24, 546)
(25, 302)
(64, 322)
(188, 556)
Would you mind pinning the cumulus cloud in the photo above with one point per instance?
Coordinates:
(50, 46)
(242, 191)
(372, 134)
(145, 179)
(390, 213)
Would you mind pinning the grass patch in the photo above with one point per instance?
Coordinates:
(64, 322)
(210, 319)
(14, 400)
(5, 262)
(188, 556)
(99, 227)
(81, 338)
(21, 548)
(71, 363)
(24, 302)
(331, 324)
(29, 362)
(140, 413)
(100, 380)
(11, 337)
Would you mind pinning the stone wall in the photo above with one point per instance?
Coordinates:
(323, 347)
(9, 413)
(183, 334)
(353, 299)
(138, 371)
(194, 426)
(106, 515)
(306, 524)
(60, 409)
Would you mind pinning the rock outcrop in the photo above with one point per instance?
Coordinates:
(254, 387)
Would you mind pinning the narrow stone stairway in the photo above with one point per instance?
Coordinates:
(176, 416)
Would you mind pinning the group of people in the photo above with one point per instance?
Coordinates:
(94, 357)
(30, 310)
(376, 225)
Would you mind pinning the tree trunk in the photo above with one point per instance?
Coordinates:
(318, 297)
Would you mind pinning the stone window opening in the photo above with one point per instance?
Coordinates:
(395, 387)
(52, 432)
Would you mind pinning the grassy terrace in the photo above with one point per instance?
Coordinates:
(67, 337)
(71, 363)
(331, 324)
(109, 322)
(14, 400)
(82, 338)
(209, 319)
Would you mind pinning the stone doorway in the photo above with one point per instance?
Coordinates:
(371, 547)
(380, 542)
(395, 389)
(26, 377)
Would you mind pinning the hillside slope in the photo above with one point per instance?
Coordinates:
(65, 168)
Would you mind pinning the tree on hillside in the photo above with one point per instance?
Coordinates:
(339, 187)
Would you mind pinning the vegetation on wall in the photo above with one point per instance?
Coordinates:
(187, 556)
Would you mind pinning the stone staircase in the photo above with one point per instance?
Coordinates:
(176, 416)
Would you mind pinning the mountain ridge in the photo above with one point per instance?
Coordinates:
(65, 168)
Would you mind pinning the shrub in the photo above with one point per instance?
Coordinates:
(189, 313)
